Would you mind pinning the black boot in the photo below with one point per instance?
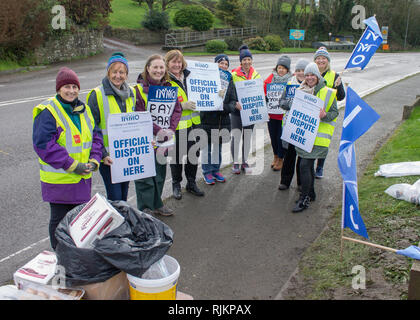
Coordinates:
(302, 204)
(192, 188)
(176, 189)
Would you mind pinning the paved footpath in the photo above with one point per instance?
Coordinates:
(241, 241)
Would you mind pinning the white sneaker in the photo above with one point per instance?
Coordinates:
(246, 168)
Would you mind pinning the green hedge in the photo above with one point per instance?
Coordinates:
(216, 46)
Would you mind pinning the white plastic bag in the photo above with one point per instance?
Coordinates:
(405, 191)
(399, 169)
(158, 270)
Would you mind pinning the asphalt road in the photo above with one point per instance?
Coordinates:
(241, 240)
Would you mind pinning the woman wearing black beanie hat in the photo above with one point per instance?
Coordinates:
(244, 72)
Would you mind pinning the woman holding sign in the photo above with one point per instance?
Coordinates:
(68, 145)
(112, 96)
(165, 116)
(244, 72)
(217, 126)
(190, 119)
(323, 60)
(314, 84)
(281, 75)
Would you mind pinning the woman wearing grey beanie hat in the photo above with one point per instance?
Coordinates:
(323, 59)
(314, 84)
(281, 74)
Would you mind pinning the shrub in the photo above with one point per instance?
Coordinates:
(196, 17)
(257, 43)
(216, 46)
(274, 41)
(156, 21)
(233, 43)
(231, 12)
(88, 12)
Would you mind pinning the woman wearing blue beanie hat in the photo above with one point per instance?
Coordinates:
(113, 96)
(244, 72)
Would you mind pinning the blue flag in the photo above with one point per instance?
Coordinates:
(367, 45)
(411, 252)
(358, 118)
(351, 215)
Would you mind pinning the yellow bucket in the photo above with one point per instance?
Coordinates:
(156, 289)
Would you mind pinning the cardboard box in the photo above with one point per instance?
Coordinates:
(35, 276)
(115, 288)
(97, 218)
(40, 269)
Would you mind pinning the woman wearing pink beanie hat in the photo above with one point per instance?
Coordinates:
(68, 146)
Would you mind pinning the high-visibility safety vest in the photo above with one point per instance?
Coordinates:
(77, 143)
(326, 129)
(236, 77)
(329, 78)
(188, 117)
(110, 106)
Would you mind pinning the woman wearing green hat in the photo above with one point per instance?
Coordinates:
(114, 95)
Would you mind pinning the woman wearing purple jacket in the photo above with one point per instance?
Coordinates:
(68, 146)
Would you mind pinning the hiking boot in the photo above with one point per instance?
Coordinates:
(219, 177)
(236, 169)
(164, 211)
(176, 189)
(208, 179)
(278, 165)
(283, 187)
(319, 173)
(192, 188)
(302, 204)
(245, 167)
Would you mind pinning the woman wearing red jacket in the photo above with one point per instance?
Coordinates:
(280, 74)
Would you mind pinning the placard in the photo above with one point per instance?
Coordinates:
(130, 146)
(290, 90)
(203, 85)
(274, 94)
(303, 120)
(252, 99)
(161, 104)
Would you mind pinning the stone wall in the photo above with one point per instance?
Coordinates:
(137, 37)
(70, 46)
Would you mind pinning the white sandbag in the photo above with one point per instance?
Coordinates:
(405, 191)
(399, 169)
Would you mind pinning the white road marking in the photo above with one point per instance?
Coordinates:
(24, 249)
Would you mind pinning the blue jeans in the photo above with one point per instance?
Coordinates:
(212, 163)
(114, 191)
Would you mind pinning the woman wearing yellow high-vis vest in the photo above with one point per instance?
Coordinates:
(190, 119)
(68, 145)
(314, 84)
(333, 80)
(149, 190)
(114, 95)
(244, 72)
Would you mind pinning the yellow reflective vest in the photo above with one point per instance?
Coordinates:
(329, 78)
(326, 129)
(77, 143)
(188, 117)
(236, 77)
(110, 106)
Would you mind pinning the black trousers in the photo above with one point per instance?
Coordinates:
(288, 169)
(58, 212)
(182, 149)
(307, 177)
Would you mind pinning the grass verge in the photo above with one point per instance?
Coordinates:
(389, 222)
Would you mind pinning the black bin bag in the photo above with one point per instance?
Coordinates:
(138, 243)
(132, 247)
(81, 265)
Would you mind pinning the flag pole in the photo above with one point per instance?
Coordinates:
(369, 244)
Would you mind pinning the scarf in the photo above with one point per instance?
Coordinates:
(123, 93)
(281, 79)
(305, 88)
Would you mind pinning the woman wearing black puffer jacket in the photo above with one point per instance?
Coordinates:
(217, 126)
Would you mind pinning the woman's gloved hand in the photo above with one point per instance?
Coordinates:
(188, 105)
